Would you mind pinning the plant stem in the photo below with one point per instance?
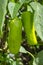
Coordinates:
(31, 55)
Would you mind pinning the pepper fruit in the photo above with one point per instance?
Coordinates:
(15, 35)
(27, 20)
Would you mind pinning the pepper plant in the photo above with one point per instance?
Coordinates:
(21, 32)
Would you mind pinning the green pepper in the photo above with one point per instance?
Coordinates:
(27, 19)
(15, 35)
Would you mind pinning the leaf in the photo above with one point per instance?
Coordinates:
(39, 59)
(38, 18)
(3, 4)
(14, 63)
(11, 62)
(24, 1)
(29, 8)
(13, 9)
(22, 50)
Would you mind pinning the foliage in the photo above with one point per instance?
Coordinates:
(21, 30)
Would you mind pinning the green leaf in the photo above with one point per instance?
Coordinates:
(38, 18)
(3, 4)
(10, 59)
(13, 9)
(39, 59)
(24, 1)
(29, 8)
(22, 50)
(13, 63)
